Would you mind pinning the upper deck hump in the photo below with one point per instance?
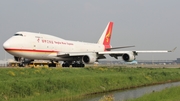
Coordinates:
(42, 35)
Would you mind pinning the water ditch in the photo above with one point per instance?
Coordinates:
(124, 95)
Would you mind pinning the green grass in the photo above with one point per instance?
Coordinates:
(170, 94)
(47, 84)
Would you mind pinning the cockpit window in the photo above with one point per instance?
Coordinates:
(18, 35)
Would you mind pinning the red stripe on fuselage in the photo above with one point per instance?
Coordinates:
(30, 50)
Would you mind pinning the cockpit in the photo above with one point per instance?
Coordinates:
(18, 34)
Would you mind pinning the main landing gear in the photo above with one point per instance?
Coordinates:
(68, 64)
(21, 64)
(65, 64)
(78, 65)
(52, 64)
(74, 64)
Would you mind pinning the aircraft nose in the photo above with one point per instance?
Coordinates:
(6, 45)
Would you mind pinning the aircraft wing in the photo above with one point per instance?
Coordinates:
(126, 55)
(143, 51)
(115, 54)
(69, 54)
(111, 53)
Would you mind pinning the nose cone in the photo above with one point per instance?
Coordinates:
(6, 45)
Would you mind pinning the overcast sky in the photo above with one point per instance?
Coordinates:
(147, 24)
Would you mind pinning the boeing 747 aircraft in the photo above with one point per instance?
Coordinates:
(29, 46)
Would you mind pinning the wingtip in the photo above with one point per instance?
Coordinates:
(172, 50)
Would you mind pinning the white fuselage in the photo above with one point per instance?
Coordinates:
(42, 46)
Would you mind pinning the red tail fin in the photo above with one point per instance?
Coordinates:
(105, 38)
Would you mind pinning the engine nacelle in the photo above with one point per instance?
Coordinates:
(88, 59)
(128, 57)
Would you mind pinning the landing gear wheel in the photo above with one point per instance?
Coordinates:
(52, 65)
(65, 65)
(82, 65)
(78, 65)
(21, 65)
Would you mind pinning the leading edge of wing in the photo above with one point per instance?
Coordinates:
(157, 51)
(143, 51)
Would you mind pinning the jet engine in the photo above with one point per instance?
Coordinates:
(90, 58)
(128, 57)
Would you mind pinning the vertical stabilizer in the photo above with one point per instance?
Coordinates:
(105, 38)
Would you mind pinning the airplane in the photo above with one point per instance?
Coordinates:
(29, 46)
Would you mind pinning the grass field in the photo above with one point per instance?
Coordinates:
(47, 84)
(170, 94)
